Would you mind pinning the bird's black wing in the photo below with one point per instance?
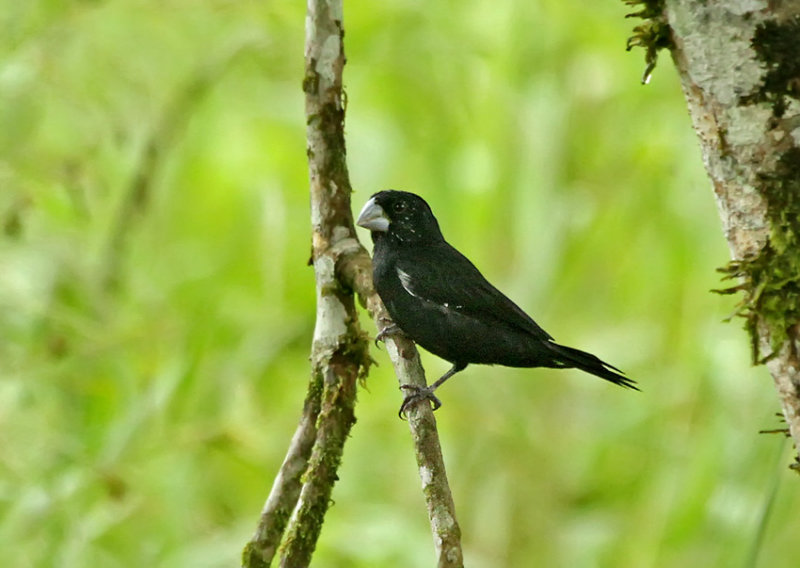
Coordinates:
(442, 275)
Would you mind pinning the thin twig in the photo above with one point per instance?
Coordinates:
(356, 271)
(428, 450)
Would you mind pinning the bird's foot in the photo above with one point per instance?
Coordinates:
(417, 394)
(390, 329)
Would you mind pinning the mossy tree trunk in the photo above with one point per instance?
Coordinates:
(739, 64)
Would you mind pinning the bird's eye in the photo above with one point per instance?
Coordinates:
(399, 206)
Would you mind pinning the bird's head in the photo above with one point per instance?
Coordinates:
(403, 216)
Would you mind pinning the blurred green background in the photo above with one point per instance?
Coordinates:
(154, 351)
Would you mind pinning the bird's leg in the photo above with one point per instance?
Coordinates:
(426, 393)
(386, 331)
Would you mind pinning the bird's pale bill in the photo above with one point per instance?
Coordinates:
(373, 217)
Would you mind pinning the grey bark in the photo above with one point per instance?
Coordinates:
(422, 423)
(295, 510)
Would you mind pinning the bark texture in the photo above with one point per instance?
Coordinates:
(295, 510)
(339, 352)
(739, 64)
(428, 451)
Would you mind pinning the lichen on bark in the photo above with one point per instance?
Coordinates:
(772, 277)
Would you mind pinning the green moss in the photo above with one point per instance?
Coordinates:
(251, 557)
(334, 424)
(357, 349)
(314, 393)
(652, 35)
(253, 554)
(311, 79)
(777, 45)
(771, 280)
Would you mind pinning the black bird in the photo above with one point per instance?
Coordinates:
(437, 297)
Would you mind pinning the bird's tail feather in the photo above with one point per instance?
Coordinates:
(571, 357)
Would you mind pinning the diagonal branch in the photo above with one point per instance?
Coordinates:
(428, 451)
(356, 271)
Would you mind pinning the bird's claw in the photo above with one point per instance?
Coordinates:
(390, 329)
(418, 394)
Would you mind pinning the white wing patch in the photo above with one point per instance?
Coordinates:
(405, 281)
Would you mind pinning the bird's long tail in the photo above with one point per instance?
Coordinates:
(571, 357)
